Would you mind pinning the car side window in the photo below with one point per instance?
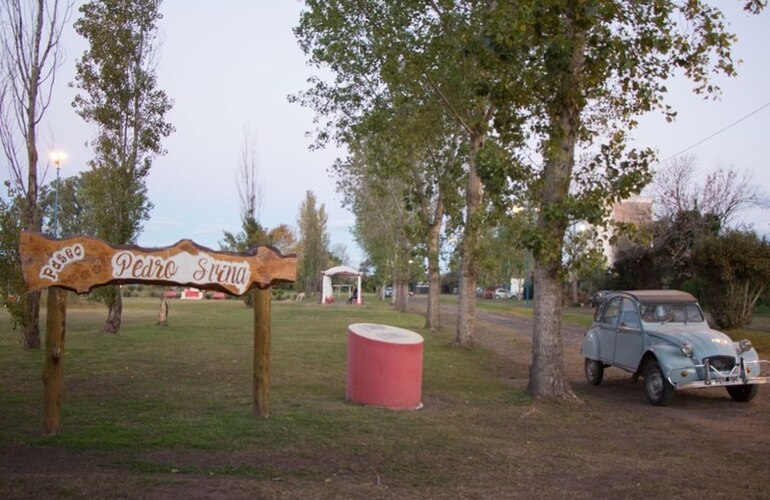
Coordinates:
(694, 314)
(629, 318)
(611, 312)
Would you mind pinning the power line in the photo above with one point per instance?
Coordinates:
(736, 122)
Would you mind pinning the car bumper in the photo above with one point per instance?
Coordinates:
(745, 372)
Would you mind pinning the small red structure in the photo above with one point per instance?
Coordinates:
(192, 294)
(384, 366)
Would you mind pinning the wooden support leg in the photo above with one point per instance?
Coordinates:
(54, 360)
(262, 332)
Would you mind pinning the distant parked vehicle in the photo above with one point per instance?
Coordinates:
(389, 292)
(598, 298)
(489, 293)
(502, 293)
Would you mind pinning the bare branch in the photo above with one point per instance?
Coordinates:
(30, 53)
(449, 105)
(673, 187)
(723, 193)
(250, 190)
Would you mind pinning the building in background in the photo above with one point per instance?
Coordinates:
(635, 210)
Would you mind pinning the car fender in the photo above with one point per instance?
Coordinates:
(752, 361)
(676, 367)
(750, 355)
(669, 357)
(590, 348)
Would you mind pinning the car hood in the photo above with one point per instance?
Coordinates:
(705, 341)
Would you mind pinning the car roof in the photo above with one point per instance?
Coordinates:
(668, 296)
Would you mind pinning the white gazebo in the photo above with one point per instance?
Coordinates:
(327, 291)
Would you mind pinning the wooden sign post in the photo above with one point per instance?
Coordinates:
(82, 263)
(262, 338)
(54, 359)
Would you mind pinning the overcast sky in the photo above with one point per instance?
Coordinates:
(230, 65)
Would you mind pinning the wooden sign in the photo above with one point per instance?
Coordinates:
(82, 263)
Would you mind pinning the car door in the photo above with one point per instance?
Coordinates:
(629, 341)
(608, 324)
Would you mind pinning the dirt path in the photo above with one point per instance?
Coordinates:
(507, 335)
(704, 427)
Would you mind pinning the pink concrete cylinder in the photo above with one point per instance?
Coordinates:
(384, 366)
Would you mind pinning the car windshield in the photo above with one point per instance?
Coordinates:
(670, 313)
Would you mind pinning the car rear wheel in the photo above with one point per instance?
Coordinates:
(743, 393)
(594, 371)
(659, 390)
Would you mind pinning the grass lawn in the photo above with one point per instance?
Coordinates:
(166, 412)
(189, 386)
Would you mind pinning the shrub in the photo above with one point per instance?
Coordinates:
(733, 270)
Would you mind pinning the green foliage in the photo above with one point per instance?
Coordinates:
(734, 269)
(584, 260)
(571, 77)
(664, 261)
(313, 244)
(500, 256)
(385, 228)
(120, 96)
(12, 286)
(74, 216)
(591, 68)
(252, 234)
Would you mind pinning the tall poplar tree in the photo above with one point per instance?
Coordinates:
(402, 177)
(590, 68)
(426, 53)
(313, 243)
(119, 94)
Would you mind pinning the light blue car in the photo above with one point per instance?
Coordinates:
(663, 336)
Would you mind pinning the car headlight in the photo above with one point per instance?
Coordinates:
(744, 345)
(687, 349)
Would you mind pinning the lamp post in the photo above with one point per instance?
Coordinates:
(57, 157)
(54, 336)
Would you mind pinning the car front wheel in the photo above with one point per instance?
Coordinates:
(742, 393)
(659, 390)
(594, 371)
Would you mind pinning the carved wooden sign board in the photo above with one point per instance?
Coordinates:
(82, 263)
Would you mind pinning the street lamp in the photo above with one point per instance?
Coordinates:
(56, 158)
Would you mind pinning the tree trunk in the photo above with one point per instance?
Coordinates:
(401, 293)
(574, 286)
(547, 377)
(466, 303)
(31, 318)
(432, 316)
(163, 313)
(115, 313)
